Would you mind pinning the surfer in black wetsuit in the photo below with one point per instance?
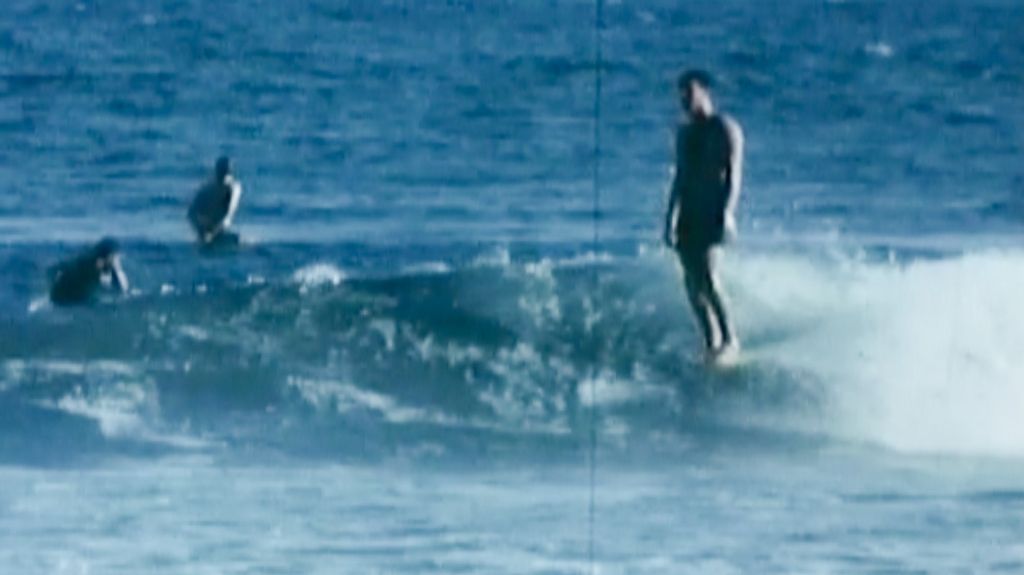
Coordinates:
(215, 204)
(75, 281)
(702, 204)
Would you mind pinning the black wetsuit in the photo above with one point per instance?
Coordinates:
(213, 208)
(75, 281)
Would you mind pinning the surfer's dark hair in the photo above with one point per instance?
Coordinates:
(701, 77)
(223, 166)
(106, 247)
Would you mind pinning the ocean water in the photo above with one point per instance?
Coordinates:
(420, 348)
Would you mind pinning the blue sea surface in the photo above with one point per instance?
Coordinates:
(403, 366)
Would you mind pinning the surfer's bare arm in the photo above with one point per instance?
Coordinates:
(117, 275)
(734, 173)
(234, 195)
(227, 208)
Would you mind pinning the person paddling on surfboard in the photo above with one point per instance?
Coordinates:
(701, 206)
(215, 204)
(76, 281)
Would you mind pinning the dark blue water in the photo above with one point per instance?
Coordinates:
(418, 286)
(391, 123)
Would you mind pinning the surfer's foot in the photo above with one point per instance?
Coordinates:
(725, 353)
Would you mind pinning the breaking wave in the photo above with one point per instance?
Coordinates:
(498, 356)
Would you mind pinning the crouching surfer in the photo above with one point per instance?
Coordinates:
(77, 280)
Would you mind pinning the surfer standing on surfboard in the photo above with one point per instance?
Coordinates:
(701, 206)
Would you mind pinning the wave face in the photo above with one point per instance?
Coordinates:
(500, 355)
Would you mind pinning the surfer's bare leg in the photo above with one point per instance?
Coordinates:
(698, 290)
(716, 301)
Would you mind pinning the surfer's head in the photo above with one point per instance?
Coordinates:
(695, 92)
(223, 167)
(107, 247)
(106, 252)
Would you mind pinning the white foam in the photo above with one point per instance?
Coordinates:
(346, 397)
(587, 258)
(520, 401)
(432, 268)
(541, 269)
(17, 369)
(123, 406)
(607, 390)
(387, 329)
(541, 308)
(540, 300)
(116, 410)
(922, 357)
(39, 303)
(499, 257)
(880, 49)
(195, 333)
(318, 275)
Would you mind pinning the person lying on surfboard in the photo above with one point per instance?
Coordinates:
(701, 207)
(77, 280)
